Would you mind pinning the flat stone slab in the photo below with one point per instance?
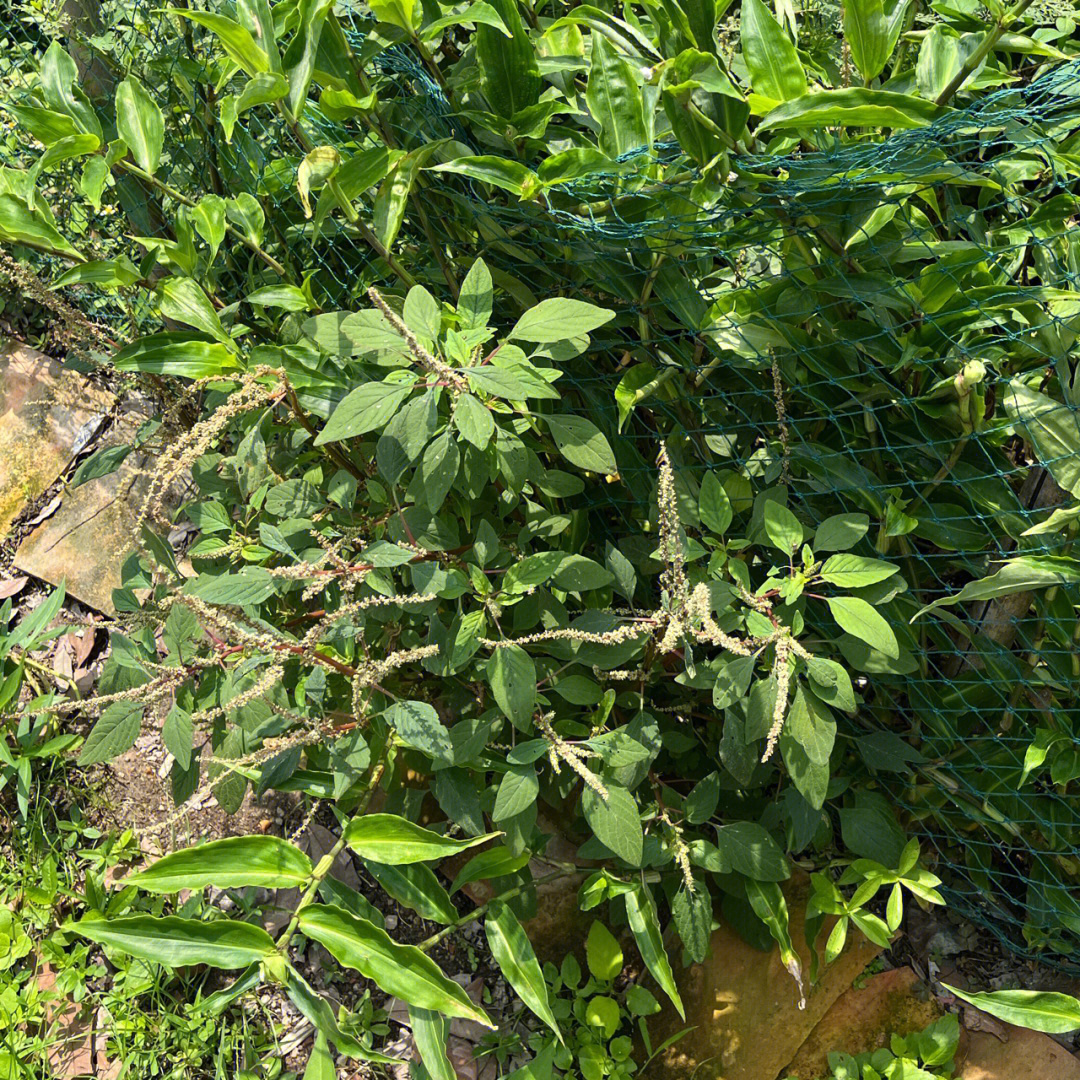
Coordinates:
(87, 540)
(47, 415)
(745, 1006)
(863, 1018)
(1025, 1055)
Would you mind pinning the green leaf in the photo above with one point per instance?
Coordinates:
(641, 914)
(183, 299)
(509, 72)
(177, 942)
(430, 1031)
(602, 953)
(178, 731)
(208, 217)
(854, 571)
(503, 173)
(367, 407)
(1053, 429)
(840, 532)
(518, 790)
(512, 675)
(20, 225)
(140, 124)
(109, 273)
(602, 1012)
(770, 56)
(867, 35)
(714, 506)
(320, 1065)
(559, 319)
(115, 731)
(250, 586)
(851, 108)
(183, 354)
(615, 821)
(400, 970)
(582, 443)
(232, 863)
(419, 726)
(1037, 1010)
(691, 912)
(782, 527)
(389, 839)
(752, 852)
(59, 82)
(1023, 574)
(474, 421)
(298, 63)
(405, 14)
(615, 101)
(514, 954)
(475, 299)
(417, 888)
(771, 908)
(497, 862)
(237, 41)
(860, 620)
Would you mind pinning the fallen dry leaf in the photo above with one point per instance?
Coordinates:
(46, 511)
(12, 586)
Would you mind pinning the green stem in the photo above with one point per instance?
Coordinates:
(180, 197)
(983, 51)
(326, 863)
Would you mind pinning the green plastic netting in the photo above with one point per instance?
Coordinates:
(714, 320)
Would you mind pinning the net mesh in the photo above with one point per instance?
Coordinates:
(778, 367)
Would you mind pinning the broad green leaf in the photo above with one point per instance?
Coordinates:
(1053, 428)
(771, 59)
(232, 863)
(417, 888)
(714, 506)
(512, 675)
(851, 108)
(503, 173)
(940, 60)
(509, 72)
(115, 731)
(840, 532)
(46, 125)
(475, 300)
(109, 273)
(514, 954)
(237, 41)
(367, 407)
(177, 942)
(320, 1065)
(178, 731)
(430, 1031)
(59, 81)
(496, 862)
(298, 63)
(389, 839)
(854, 571)
(357, 333)
(405, 14)
(752, 851)
(419, 726)
(250, 586)
(1024, 574)
(140, 124)
(615, 101)
(602, 953)
(474, 421)
(478, 13)
(401, 970)
(208, 217)
(771, 908)
(615, 821)
(641, 914)
(1037, 1010)
(782, 527)
(183, 299)
(867, 35)
(582, 443)
(183, 354)
(691, 914)
(20, 225)
(287, 297)
(518, 790)
(559, 319)
(860, 620)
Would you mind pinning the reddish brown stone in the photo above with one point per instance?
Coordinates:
(744, 1005)
(1025, 1055)
(47, 413)
(863, 1018)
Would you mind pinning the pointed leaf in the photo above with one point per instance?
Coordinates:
(232, 863)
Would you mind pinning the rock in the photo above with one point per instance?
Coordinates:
(744, 1005)
(87, 540)
(47, 414)
(1026, 1055)
(864, 1017)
